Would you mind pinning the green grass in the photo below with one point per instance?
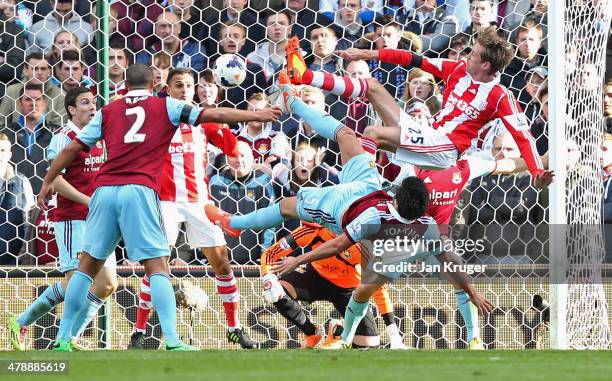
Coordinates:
(351, 365)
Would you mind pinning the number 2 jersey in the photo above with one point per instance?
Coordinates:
(137, 130)
(81, 173)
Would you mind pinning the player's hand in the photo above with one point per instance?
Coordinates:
(483, 305)
(268, 114)
(542, 180)
(285, 265)
(273, 290)
(46, 191)
(354, 54)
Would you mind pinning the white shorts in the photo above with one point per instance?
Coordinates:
(424, 147)
(200, 231)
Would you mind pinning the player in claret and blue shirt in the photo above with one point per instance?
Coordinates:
(354, 210)
(137, 131)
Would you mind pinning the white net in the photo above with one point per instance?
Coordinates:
(192, 34)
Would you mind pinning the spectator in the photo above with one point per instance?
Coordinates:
(433, 24)
(270, 54)
(370, 9)
(207, 94)
(62, 17)
(536, 80)
(359, 110)
(539, 127)
(19, 14)
(420, 113)
(262, 138)
(70, 72)
(422, 87)
(90, 51)
(323, 43)
(31, 134)
(388, 34)
(304, 133)
(130, 16)
(510, 13)
(606, 166)
(35, 70)
(539, 15)
(531, 53)
(240, 189)
(303, 18)
(607, 104)
(233, 11)
(118, 60)
(12, 48)
(192, 20)
(507, 204)
(63, 41)
(184, 53)
(459, 47)
(481, 13)
(348, 25)
(161, 66)
(232, 39)
(16, 200)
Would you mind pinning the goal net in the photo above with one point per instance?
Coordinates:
(505, 210)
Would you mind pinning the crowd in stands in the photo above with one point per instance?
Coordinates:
(48, 47)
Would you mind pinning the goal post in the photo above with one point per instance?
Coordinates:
(578, 32)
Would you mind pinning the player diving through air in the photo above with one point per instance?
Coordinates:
(137, 131)
(354, 210)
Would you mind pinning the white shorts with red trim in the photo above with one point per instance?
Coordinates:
(425, 147)
(200, 231)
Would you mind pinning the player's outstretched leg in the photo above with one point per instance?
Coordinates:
(228, 291)
(260, 219)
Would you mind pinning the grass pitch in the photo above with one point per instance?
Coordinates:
(297, 365)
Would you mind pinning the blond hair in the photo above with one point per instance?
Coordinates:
(10, 171)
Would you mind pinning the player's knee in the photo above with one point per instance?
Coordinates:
(372, 132)
(344, 133)
(109, 288)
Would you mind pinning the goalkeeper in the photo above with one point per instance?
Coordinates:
(332, 279)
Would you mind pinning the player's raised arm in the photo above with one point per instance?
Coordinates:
(326, 250)
(233, 116)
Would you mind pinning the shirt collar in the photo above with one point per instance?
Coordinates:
(138, 93)
(397, 216)
(73, 127)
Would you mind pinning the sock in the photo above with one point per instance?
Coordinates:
(263, 218)
(340, 85)
(369, 145)
(293, 312)
(52, 296)
(144, 305)
(76, 299)
(162, 296)
(324, 124)
(469, 313)
(352, 317)
(86, 314)
(228, 291)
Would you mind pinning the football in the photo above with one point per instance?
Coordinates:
(229, 70)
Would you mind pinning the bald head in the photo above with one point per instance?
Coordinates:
(167, 25)
(139, 76)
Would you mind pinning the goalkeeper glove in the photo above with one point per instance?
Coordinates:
(273, 290)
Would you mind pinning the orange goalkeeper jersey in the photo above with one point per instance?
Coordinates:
(343, 269)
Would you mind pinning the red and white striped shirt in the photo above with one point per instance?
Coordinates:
(468, 105)
(184, 172)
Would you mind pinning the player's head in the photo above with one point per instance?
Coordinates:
(80, 105)
(139, 76)
(491, 53)
(181, 85)
(411, 198)
(207, 91)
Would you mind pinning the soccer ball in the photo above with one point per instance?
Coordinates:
(229, 70)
